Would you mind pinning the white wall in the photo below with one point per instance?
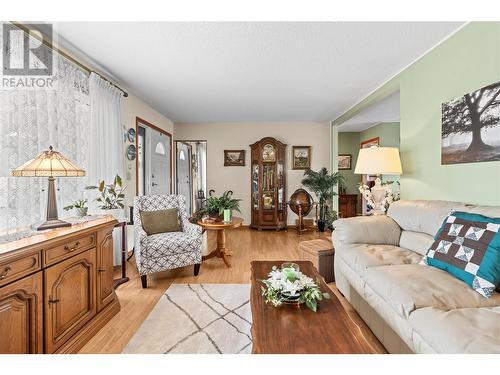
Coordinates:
(221, 136)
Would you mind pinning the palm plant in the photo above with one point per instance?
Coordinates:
(322, 184)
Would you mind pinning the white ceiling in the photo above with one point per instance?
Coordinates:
(279, 71)
(387, 110)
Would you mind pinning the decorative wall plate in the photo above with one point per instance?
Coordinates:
(131, 135)
(131, 152)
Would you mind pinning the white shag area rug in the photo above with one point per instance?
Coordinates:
(197, 319)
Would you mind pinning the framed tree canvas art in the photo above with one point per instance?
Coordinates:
(470, 127)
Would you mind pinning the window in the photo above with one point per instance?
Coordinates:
(160, 148)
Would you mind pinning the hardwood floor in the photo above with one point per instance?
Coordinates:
(246, 244)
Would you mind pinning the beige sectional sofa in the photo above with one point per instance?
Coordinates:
(411, 307)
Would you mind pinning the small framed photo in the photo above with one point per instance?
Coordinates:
(234, 158)
(345, 162)
(301, 157)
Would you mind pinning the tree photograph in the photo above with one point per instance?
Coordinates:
(471, 127)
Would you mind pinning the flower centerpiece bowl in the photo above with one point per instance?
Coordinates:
(287, 285)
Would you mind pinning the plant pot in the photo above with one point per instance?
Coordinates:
(115, 212)
(81, 211)
(321, 225)
(216, 217)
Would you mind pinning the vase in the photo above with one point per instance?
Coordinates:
(227, 216)
(81, 211)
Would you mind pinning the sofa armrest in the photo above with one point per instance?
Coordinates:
(375, 230)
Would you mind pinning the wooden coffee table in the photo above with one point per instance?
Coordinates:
(297, 330)
(221, 226)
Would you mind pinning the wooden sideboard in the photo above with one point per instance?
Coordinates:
(56, 288)
(348, 205)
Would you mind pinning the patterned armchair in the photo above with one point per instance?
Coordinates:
(165, 251)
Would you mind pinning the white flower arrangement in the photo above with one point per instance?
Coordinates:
(290, 285)
(390, 196)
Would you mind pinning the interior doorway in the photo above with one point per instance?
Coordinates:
(191, 172)
(154, 159)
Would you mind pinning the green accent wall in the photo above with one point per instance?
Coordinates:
(349, 144)
(467, 61)
(388, 132)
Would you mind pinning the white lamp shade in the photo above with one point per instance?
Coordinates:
(48, 164)
(378, 160)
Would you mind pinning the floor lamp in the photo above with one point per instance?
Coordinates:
(49, 164)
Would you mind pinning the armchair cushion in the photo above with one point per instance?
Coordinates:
(171, 243)
(161, 221)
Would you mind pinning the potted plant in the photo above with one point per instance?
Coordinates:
(322, 184)
(111, 196)
(80, 207)
(215, 207)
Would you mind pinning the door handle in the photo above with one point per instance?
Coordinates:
(154, 184)
(53, 301)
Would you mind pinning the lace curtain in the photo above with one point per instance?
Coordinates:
(31, 120)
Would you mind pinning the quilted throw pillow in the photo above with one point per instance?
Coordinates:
(468, 247)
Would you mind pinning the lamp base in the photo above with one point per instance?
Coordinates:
(50, 224)
(378, 195)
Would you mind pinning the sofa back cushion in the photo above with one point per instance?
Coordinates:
(421, 215)
(416, 241)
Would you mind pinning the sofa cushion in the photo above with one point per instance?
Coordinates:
(416, 241)
(475, 330)
(422, 215)
(468, 247)
(360, 257)
(379, 229)
(409, 287)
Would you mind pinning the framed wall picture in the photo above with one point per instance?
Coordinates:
(470, 127)
(344, 162)
(301, 157)
(234, 158)
(370, 142)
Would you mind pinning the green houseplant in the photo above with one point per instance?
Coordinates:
(111, 196)
(214, 207)
(80, 206)
(322, 184)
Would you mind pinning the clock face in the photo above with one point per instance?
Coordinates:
(268, 153)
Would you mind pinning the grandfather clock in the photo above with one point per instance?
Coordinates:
(268, 184)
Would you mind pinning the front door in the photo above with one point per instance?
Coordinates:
(184, 173)
(160, 163)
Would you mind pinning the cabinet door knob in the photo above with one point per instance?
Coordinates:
(102, 269)
(53, 300)
(6, 270)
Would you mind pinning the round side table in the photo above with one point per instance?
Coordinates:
(221, 251)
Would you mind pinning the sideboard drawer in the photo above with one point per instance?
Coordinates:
(16, 268)
(67, 249)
